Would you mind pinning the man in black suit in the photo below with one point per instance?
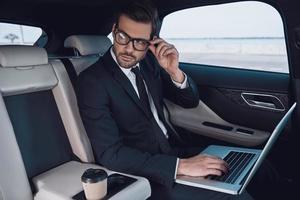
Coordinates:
(121, 103)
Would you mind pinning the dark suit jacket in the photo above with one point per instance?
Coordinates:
(123, 135)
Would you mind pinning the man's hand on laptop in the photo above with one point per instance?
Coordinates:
(202, 165)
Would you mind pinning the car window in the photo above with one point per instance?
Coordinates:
(12, 34)
(245, 35)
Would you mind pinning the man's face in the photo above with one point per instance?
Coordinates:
(127, 56)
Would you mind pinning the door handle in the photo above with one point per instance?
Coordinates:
(261, 103)
(264, 101)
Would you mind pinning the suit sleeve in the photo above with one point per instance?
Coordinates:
(94, 105)
(186, 98)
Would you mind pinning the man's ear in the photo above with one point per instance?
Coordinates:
(113, 28)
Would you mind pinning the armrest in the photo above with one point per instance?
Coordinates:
(64, 181)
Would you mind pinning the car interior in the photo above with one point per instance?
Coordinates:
(44, 146)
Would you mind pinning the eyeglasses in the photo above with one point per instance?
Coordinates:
(123, 38)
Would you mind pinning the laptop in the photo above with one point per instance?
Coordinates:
(243, 163)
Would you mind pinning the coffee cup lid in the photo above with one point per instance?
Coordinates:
(93, 175)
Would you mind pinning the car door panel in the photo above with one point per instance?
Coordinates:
(226, 110)
(203, 121)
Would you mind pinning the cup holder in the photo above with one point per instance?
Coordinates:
(115, 180)
(115, 183)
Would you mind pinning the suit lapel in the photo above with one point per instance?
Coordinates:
(121, 78)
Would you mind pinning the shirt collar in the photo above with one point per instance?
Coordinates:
(126, 71)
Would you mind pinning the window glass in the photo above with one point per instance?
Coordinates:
(12, 34)
(246, 35)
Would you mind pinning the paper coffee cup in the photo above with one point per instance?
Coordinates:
(94, 182)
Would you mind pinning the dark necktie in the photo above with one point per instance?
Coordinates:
(141, 88)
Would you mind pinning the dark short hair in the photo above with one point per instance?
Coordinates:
(140, 11)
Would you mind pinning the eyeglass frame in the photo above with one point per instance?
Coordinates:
(117, 30)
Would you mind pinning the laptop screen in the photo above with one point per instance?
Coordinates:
(276, 132)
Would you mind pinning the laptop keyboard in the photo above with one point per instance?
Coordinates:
(237, 161)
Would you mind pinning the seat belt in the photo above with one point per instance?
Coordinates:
(167, 115)
(70, 70)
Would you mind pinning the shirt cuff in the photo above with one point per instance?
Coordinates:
(177, 162)
(181, 85)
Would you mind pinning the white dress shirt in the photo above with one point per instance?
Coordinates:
(131, 76)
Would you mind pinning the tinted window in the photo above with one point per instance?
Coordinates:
(12, 34)
(246, 35)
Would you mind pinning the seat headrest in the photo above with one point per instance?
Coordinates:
(17, 55)
(88, 44)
